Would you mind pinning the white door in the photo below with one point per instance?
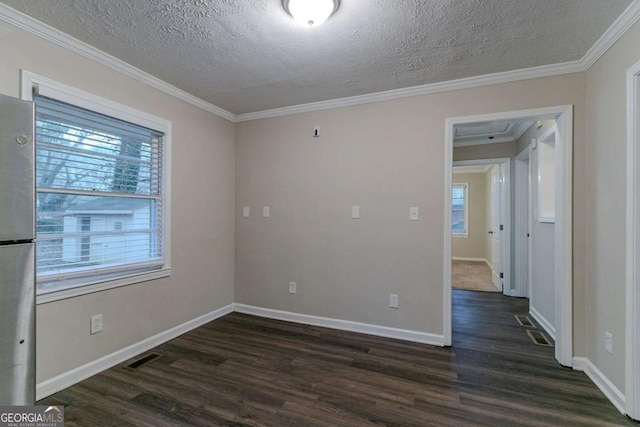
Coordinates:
(496, 223)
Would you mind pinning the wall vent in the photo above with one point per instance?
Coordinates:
(539, 338)
(143, 361)
(524, 321)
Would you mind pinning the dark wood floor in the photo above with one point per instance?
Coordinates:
(243, 370)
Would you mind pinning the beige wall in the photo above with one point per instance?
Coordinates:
(475, 244)
(202, 212)
(384, 157)
(605, 207)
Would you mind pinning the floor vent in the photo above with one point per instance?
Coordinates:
(143, 361)
(539, 338)
(524, 321)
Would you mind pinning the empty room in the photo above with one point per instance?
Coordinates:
(260, 213)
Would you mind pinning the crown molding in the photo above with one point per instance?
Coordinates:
(465, 83)
(626, 20)
(40, 29)
(620, 26)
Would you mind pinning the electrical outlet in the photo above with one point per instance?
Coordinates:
(293, 288)
(246, 211)
(414, 213)
(608, 342)
(393, 301)
(266, 212)
(96, 324)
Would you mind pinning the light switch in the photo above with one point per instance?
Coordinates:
(245, 211)
(265, 211)
(414, 213)
(355, 212)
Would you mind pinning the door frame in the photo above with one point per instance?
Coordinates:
(505, 207)
(632, 352)
(522, 224)
(563, 272)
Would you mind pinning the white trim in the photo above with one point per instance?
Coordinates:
(428, 89)
(449, 134)
(622, 24)
(563, 245)
(344, 325)
(460, 258)
(67, 379)
(45, 296)
(612, 393)
(632, 351)
(546, 325)
(505, 164)
(563, 274)
(59, 38)
(471, 169)
(521, 226)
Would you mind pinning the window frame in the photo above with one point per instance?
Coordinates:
(464, 185)
(76, 286)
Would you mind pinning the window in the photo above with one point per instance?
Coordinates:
(101, 197)
(459, 210)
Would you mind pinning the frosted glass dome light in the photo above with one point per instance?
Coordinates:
(311, 13)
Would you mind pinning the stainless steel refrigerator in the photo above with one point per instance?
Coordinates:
(17, 252)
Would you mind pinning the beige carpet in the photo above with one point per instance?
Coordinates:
(472, 276)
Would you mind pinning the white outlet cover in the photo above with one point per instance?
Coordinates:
(414, 213)
(246, 211)
(266, 212)
(355, 212)
(293, 287)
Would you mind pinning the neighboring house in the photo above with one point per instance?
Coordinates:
(107, 231)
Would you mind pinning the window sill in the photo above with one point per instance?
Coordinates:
(460, 235)
(100, 284)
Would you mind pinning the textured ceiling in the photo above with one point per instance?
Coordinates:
(249, 55)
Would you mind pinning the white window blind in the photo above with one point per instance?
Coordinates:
(99, 193)
(459, 210)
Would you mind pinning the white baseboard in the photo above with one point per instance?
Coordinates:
(460, 258)
(62, 381)
(601, 381)
(345, 325)
(546, 325)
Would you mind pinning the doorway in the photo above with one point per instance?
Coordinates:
(632, 355)
(482, 247)
(562, 272)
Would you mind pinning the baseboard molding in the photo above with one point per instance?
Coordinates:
(62, 381)
(546, 325)
(601, 381)
(345, 325)
(460, 258)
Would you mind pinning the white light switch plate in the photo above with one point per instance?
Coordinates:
(96, 324)
(393, 300)
(265, 212)
(245, 211)
(414, 213)
(355, 212)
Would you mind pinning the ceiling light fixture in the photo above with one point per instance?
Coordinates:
(311, 13)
